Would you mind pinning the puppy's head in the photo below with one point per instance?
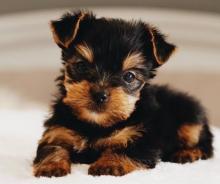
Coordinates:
(107, 62)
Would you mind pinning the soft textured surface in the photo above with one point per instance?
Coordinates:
(20, 131)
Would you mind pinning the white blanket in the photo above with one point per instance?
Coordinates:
(20, 131)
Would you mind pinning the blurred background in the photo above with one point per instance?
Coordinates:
(30, 61)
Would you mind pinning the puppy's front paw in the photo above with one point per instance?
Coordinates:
(113, 164)
(50, 169)
(115, 170)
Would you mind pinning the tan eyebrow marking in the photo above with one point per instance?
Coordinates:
(85, 51)
(133, 60)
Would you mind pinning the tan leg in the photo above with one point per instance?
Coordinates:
(57, 163)
(53, 155)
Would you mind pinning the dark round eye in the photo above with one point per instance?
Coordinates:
(129, 77)
(81, 66)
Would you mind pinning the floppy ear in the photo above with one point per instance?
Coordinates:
(162, 50)
(65, 30)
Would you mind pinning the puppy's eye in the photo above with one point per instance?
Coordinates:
(81, 66)
(129, 77)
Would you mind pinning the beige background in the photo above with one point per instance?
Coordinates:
(9, 6)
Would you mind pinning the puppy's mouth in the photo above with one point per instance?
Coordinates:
(97, 108)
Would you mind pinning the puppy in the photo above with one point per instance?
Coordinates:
(107, 113)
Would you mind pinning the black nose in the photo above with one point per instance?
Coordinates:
(100, 97)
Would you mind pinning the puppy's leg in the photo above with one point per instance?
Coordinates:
(192, 138)
(117, 164)
(183, 125)
(53, 153)
(52, 161)
(195, 142)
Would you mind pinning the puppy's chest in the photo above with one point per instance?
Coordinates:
(121, 138)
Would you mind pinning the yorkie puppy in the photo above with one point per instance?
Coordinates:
(107, 113)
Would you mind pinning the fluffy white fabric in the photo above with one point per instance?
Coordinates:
(20, 131)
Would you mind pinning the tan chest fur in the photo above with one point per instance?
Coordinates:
(120, 138)
(117, 139)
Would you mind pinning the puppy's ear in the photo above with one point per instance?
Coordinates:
(162, 50)
(65, 29)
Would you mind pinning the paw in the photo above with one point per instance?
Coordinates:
(50, 169)
(114, 170)
(189, 155)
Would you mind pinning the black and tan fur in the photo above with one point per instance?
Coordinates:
(107, 113)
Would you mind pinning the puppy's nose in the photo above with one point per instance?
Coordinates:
(100, 96)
